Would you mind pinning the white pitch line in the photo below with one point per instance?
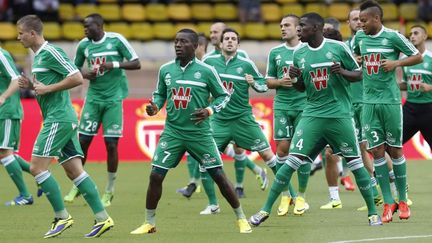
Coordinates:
(385, 238)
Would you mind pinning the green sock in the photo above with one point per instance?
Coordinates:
(382, 175)
(240, 165)
(374, 187)
(25, 166)
(288, 189)
(89, 190)
(399, 168)
(51, 189)
(15, 172)
(191, 164)
(303, 176)
(363, 182)
(196, 173)
(209, 188)
(251, 165)
(282, 179)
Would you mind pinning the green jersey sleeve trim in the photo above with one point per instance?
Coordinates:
(9, 69)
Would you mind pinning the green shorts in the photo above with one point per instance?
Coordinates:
(313, 134)
(95, 113)
(10, 133)
(357, 110)
(171, 149)
(58, 139)
(244, 131)
(382, 123)
(284, 123)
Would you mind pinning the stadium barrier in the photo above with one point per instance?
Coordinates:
(141, 132)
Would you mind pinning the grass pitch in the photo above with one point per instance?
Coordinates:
(178, 218)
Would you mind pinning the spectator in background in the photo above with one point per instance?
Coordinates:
(331, 23)
(425, 10)
(47, 10)
(249, 11)
(21, 8)
(4, 10)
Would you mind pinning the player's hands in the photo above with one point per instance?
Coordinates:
(286, 81)
(2, 100)
(40, 88)
(91, 74)
(249, 78)
(425, 87)
(106, 66)
(358, 59)
(294, 72)
(200, 115)
(336, 68)
(24, 82)
(389, 65)
(152, 109)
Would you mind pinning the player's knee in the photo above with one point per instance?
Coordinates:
(216, 173)
(267, 154)
(157, 174)
(85, 140)
(111, 143)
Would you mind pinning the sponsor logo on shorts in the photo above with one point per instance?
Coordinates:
(207, 159)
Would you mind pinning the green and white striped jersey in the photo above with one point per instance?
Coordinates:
(380, 87)
(109, 84)
(279, 61)
(419, 73)
(186, 89)
(11, 108)
(240, 52)
(52, 65)
(327, 93)
(232, 73)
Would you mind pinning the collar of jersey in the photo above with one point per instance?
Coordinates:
(229, 60)
(319, 47)
(41, 47)
(101, 40)
(379, 32)
(177, 61)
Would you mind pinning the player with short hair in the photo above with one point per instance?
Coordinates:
(324, 68)
(186, 85)
(417, 81)
(11, 114)
(288, 105)
(379, 48)
(108, 55)
(52, 75)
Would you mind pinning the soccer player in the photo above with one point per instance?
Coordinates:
(186, 85)
(11, 113)
(108, 54)
(417, 81)
(323, 68)
(52, 75)
(379, 48)
(287, 107)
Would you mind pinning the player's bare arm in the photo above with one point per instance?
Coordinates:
(278, 83)
(89, 74)
(69, 82)
(351, 76)
(24, 82)
(13, 87)
(295, 74)
(424, 87)
(129, 65)
(390, 65)
(200, 115)
(402, 86)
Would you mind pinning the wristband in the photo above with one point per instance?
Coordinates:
(210, 110)
(116, 64)
(294, 80)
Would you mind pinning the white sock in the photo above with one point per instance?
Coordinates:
(334, 193)
(111, 178)
(317, 160)
(340, 167)
(230, 150)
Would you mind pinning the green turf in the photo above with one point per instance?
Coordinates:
(178, 219)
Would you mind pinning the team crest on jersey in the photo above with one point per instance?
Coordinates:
(168, 79)
(299, 132)
(109, 46)
(384, 42)
(163, 145)
(181, 97)
(414, 81)
(197, 75)
(283, 120)
(96, 62)
(239, 70)
(426, 65)
(229, 86)
(372, 63)
(329, 55)
(320, 78)
(86, 115)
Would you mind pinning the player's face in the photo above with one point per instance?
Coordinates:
(305, 30)
(417, 36)
(91, 29)
(354, 21)
(229, 42)
(327, 27)
(25, 37)
(184, 48)
(369, 22)
(215, 33)
(288, 28)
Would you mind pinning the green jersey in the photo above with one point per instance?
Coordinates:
(11, 108)
(419, 73)
(187, 89)
(278, 64)
(52, 65)
(380, 87)
(327, 93)
(232, 74)
(109, 84)
(240, 52)
(356, 88)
